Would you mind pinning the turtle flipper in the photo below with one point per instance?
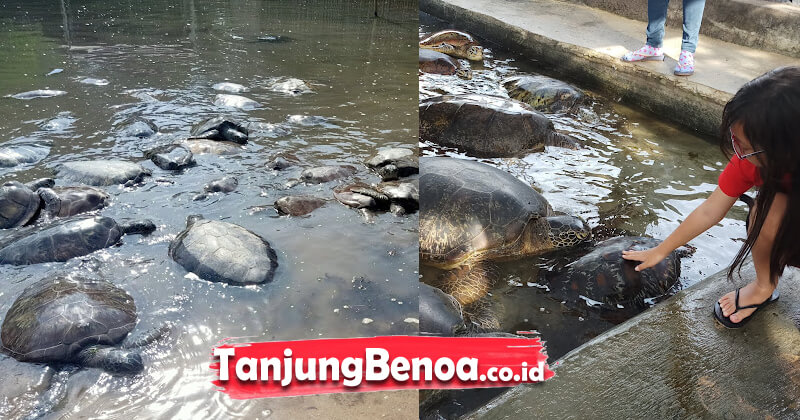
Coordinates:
(146, 338)
(483, 315)
(560, 140)
(111, 359)
(51, 202)
(468, 283)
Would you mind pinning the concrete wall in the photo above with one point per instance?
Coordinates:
(758, 24)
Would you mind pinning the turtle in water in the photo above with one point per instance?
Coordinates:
(471, 213)
(18, 153)
(63, 239)
(102, 172)
(438, 63)
(456, 43)
(543, 93)
(488, 126)
(394, 163)
(171, 157)
(322, 174)
(224, 252)
(603, 276)
(399, 197)
(220, 129)
(18, 205)
(74, 319)
(298, 205)
(69, 201)
(213, 147)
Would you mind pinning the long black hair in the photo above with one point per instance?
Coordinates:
(768, 108)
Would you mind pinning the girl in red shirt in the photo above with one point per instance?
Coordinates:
(761, 132)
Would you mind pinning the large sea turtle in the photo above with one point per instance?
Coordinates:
(220, 129)
(607, 279)
(73, 319)
(18, 205)
(69, 201)
(487, 126)
(438, 63)
(63, 239)
(224, 252)
(101, 172)
(471, 213)
(394, 163)
(543, 93)
(456, 43)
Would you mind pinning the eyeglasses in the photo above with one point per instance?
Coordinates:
(736, 146)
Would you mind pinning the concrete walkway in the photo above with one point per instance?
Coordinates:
(584, 45)
(675, 361)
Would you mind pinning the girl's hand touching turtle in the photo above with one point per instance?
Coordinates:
(648, 257)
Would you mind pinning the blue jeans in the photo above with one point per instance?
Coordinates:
(692, 16)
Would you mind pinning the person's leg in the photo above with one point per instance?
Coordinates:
(656, 17)
(692, 18)
(762, 287)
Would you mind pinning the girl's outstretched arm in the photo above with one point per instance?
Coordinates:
(701, 219)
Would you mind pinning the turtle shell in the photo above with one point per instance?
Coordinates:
(18, 205)
(224, 252)
(221, 129)
(101, 172)
(543, 93)
(452, 37)
(469, 208)
(55, 318)
(59, 240)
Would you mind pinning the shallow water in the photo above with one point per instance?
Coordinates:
(636, 176)
(160, 60)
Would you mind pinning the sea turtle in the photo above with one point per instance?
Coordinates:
(220, 129)
(224, 252)
(18, 205)
(603, 276)
(456, 43)
(487, 126)
(282, 161)
(22, 152)
(399, 197)
(139, 127)
(290, 86)
(74, 319)
(543, 93)
(235, 101)
(230, 87)
(394, 163)
(323, 174)
(69, 201)
(63, 239)
(438, 63)
(298, 205)
(101, 172)
(471, 213)
(171, 157)
(213, 147)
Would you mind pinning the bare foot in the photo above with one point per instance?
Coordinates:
(751, 294)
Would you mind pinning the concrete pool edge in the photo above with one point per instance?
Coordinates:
(675, 360)
(690, 102)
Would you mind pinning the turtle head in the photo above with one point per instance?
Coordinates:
(464, 73)
(567, 231)
(475, 53)
(112, 360)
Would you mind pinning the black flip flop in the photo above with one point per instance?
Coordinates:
(726, 321)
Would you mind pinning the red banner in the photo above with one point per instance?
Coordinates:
(286, 368)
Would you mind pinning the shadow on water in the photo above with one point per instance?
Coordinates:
(159, 61)
(636, 176)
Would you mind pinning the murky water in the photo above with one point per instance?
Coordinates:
(160, 60)
(636, 176)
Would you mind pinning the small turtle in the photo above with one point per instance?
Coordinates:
(139, 127)
(282, 161)
(171, 157)
(225, 185)
(394, 163)
(224, 252)
(220, 129)
(213, 147)
(23, 152)
(604, 276)
(60, 240)
(291, 86)
(323, 174)
(298, 205)
(230, 87)
(543, 93)
(18, 205)
(73, 319)
(101, 172)
(439, 63)
(488, 126)
(456, 43)
(69, 201)
(235, 101)
(471, 213)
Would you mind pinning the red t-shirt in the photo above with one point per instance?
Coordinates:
(739, 176)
